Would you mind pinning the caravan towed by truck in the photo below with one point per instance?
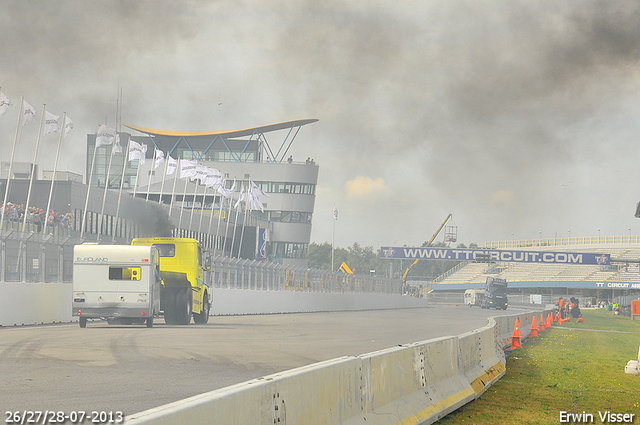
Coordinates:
(120, 283)
(166, 274)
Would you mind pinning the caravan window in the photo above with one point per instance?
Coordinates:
(124, 273)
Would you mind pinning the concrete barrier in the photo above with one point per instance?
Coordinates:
(37, 303)
(416, 383)
(243, 301)
(34, 303)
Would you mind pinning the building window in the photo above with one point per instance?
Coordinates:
(290, 250)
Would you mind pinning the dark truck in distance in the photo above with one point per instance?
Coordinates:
(495, 293)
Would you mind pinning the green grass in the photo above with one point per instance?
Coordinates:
(571, 368)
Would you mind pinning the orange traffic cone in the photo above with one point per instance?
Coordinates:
(568, 319)
(515, 339)
(549, 320)
(560, 320)
(579, 320)
(542, 328)
(534, 328)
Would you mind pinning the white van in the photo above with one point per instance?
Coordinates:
(119, 283)
(473, 297)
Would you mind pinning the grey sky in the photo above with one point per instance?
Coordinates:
(515, 116)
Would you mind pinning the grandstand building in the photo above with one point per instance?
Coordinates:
(243, 156)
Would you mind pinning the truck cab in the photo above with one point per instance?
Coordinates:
(495, 293)
(184, 292)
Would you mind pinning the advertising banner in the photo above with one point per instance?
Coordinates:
(495, 255)
(262, 243)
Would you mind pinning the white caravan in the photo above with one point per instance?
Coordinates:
(120, 283)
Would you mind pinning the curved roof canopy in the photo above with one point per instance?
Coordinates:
(229, 133)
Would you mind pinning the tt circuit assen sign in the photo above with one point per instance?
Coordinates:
(494, 255)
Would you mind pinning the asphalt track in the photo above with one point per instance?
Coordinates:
(132, 368)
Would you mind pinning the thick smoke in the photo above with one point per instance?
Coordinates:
(515, 116)
(150, 217)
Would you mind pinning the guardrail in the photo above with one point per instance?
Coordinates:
(416, 383)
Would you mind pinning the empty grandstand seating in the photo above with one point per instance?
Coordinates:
(531, 272)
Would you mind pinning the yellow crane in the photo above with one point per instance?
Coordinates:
(406, 272)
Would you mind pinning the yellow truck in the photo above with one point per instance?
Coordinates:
(184, 292)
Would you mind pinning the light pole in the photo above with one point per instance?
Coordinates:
(569, 230)
(598, 235)
(540, 237)
(512, 240)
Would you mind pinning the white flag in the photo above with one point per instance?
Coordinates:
(105, 136)
(255, 189)
(214, 178)
(226, 192)
(50, 123)
(117, 147)
(187, 168)
(254, 201)
(68, 125)
(28, 113)
(201, 173)
(159, 158)
(171, 166)
(4, 104)
(240, 198)
(137, 151)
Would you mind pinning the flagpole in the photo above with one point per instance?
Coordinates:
(244, 219)
(215, 238)
(226, 230)
(135, 186)
(55, 167)
(213, 202)
(86, 202)
(33, 171)
(193, 204)
(204, 196)
(124, 166)
(153, 163)
(175, 177)
(164, 176)
(235, 224)
(104, 195)
(226, 213)
(184, 194)
(333, 239)
(13, 150)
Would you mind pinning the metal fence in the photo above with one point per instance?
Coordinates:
(234, 273)
(25, 260)
(32, 260)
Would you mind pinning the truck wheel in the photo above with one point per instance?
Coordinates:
(183, 306)
(169, 306)
(150, 322)
(83, 322)
(203, 317)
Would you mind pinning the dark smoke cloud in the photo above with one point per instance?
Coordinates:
(516, 116)
(150, 217)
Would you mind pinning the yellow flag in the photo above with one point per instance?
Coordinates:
(345, 269)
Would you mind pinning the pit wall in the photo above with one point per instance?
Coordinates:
(39, 303)
(34, 303)
(416, 383)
